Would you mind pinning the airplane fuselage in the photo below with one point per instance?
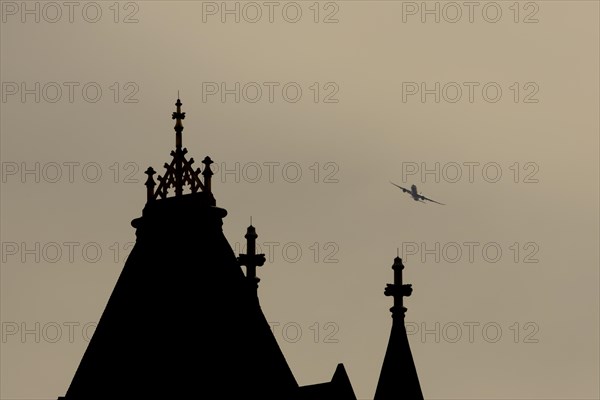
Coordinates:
(413, 193)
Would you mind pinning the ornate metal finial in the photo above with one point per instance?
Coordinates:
(251, 236)
(178, 116)
(207, 173)
(251, 260)
(398, 290)
(150, 184)
(179, 172)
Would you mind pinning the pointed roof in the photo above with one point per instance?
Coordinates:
(398, 378)
(180, 318)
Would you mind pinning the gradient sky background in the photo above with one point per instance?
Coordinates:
(351, 212)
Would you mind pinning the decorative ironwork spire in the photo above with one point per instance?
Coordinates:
(179, 172)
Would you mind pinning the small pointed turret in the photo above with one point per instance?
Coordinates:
(398, 378)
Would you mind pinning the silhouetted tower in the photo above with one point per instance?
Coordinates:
(183, 320)
(398, 378)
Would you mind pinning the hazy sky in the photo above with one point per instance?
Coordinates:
(334, 100)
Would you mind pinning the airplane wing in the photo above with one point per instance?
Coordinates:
(425, 198)
(403, 189)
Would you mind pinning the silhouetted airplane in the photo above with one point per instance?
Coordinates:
(416, 196)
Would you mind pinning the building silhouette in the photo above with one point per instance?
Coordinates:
(183, 273)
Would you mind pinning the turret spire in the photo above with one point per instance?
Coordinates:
(398, 378)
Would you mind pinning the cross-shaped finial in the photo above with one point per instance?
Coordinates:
(398, 290)
(251, 260)
(178, 116)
